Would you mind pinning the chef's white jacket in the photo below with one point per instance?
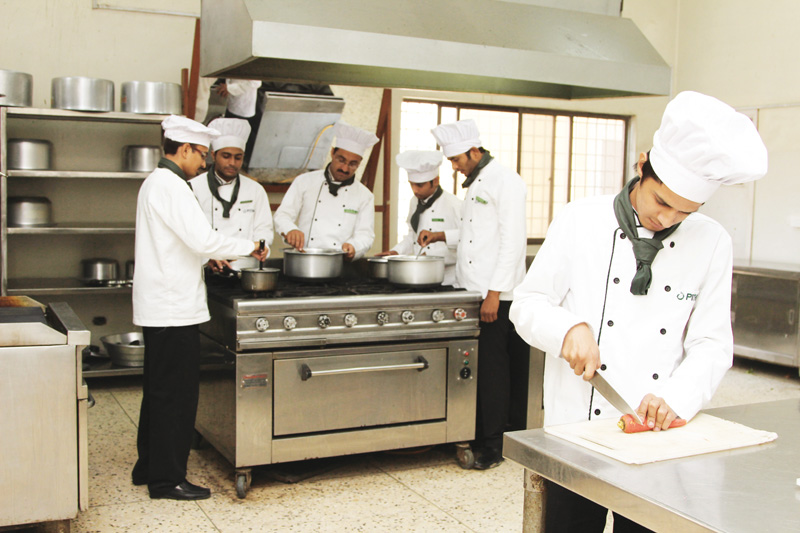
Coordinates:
(444, 214)
(250, 217)
(493, 236)
(675, 342)
(328, 221)
(173, 240)
(242, 96)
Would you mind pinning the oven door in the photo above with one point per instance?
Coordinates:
(338, 391)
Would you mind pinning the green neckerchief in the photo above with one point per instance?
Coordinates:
(644, 249)
(422, 206)
(333, 185)
(171, 165)
(213, 185)
(477, 170)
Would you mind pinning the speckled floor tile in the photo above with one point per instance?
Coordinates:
(374, 502)
(751, 381)
(414, 457)
(157, 516)
(489, 500)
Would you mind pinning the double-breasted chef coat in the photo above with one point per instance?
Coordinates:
(444, 214)
(173, 241)
(675, 341)
(250, 217)
(328, 221)
(492, 239)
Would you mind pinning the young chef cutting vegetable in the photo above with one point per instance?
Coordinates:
(173, 239)
(234, 205)
(637, 286)
(432, 209)
(490, 259)
(329, 208)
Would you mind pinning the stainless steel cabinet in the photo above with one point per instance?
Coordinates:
(93, 203)
(765, 304)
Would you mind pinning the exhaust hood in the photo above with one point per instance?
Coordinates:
(484, 46)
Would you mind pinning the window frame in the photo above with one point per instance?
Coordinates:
(521, 111)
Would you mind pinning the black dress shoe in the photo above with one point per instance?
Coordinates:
(183, 491)
(138, 482)
(488, 458)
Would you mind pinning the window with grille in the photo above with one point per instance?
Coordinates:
(562, 156)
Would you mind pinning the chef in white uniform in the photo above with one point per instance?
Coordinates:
(234, 205)
(329, 208)
(490, 259)
(638, 286)
(432, 209)
(173, 239)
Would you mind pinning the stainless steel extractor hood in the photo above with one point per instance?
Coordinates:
(485, 46)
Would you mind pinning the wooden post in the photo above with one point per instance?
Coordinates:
(383, 132)
(190, 84)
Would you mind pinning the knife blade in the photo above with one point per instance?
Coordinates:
(613, 397)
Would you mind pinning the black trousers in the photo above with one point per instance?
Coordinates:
(567, 512)
(502, 380)
(170, 387)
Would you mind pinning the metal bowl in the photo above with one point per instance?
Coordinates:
(16, 88)
(151, 97)
(29, 154)
(125, 349)
(378, 267)
(100, 270)
(313, 263)
(29, 212)
(82, 94)
(140, 158)
(412, 271)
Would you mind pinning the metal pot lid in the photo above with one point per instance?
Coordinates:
(266, 270)
(377, 260)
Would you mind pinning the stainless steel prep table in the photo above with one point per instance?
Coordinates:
(744, 490)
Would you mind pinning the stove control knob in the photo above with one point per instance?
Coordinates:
(459, 314)
(437, 315)
(382, 318)
(324, 321)
(289, 322)
(262, 324)
(407, 317)
(350, 320)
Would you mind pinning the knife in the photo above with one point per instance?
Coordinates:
(613, 397)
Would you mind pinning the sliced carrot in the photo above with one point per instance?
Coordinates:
(628, 424)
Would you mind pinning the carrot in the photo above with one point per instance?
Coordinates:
(628, 424)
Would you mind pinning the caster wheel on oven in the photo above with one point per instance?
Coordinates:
(464, 456)
(242, 484)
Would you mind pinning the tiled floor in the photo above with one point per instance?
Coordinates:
(421, 491)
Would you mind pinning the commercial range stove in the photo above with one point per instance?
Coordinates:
(338, 367)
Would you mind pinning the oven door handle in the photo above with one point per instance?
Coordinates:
(306, 373)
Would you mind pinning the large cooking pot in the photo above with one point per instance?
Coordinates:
(29, 211)
(16, 88)
(259, 279)
(29, 154)
(82, 94)
(154, 97)
(378, 267)
(416, 271)
(125, 349)
(313, 263)
(139, 158)
(99, 270)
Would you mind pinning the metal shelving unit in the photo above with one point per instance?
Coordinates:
(85, 143)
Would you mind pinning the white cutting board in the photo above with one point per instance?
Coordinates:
(703, 434)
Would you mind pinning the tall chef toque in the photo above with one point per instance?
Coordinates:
(184, 130)
(421, 165)
(704, 143)
(457, 137)
(353, 139)
(233, 133)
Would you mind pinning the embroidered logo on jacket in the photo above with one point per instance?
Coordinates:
(437, 220)
(480, 200)
(689, 296)
(351, 211)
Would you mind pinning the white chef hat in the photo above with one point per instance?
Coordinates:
(233, 133)
(184, 130)
(704, 143)
(353, 139)
(457, 137)
(420, 165)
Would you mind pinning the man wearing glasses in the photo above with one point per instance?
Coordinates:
(173, 240)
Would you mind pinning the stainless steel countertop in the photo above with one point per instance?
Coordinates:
(744, 490)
